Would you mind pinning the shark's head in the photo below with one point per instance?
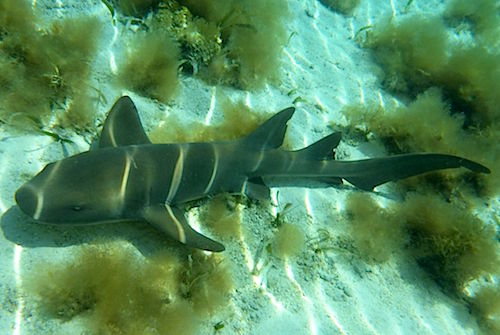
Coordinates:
(71, 192)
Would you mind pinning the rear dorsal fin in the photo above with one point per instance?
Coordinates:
(270, 134)
(322, 149)
(122, 126)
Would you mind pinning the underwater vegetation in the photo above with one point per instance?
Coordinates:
(376, 233)
(137, 8)
(449, 75)
(46, 68)
(230, 128)
(448, 70)
(486, 306)
(398, 127)
(480, 16)
(446, 240)
(198, 39)
(235, 43)
(221, 215)
(252, 34)
(289, 241)
(345, 7)
(417, 53)
(150, 66)
(404, 129)
(114, 290)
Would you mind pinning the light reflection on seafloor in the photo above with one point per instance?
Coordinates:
(18, 250)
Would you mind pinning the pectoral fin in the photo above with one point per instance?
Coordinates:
(171, 220)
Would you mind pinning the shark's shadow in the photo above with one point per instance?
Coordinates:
(21, 230)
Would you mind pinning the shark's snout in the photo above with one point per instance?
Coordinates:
(27, 200)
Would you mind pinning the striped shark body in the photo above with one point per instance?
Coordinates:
(129, 178)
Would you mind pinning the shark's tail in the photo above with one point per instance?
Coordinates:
(316, 164)
(369, 173)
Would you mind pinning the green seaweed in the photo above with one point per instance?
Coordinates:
(236, 43)
(199, 40)
(447, 241)
(230, 128)
(289, 241)
(416, 53)
(116, 291)
(375, 232)
(150, 66)
(409, 50)
(452, 245)
(404, 129)
(481, 15)
(485, 305)
(222, 215)
(45, 69)
(137, 8)
(251, 33)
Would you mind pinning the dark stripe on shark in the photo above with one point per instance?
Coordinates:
(208, 168)
(199, 172)
(146, 175)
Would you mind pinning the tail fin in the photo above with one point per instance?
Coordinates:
(369, 173)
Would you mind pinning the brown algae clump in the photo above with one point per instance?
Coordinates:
(46, 70)
(486, 306)
(409, 50)
(150, 66)
(450, 243)
(137, 8)
(416, 53)
(117, 291)
(453, 82)
(404, 129)
(236, 43)
(375, 233)
(230, 128)
(289, 241)
(221, 214)
(447, 241)
(480, 15)
(252, 33)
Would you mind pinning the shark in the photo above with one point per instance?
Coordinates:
(126, 177)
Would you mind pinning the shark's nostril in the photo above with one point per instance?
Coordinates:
(27, 200)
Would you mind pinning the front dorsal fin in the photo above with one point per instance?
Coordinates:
(123, 126)
(270, 134)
